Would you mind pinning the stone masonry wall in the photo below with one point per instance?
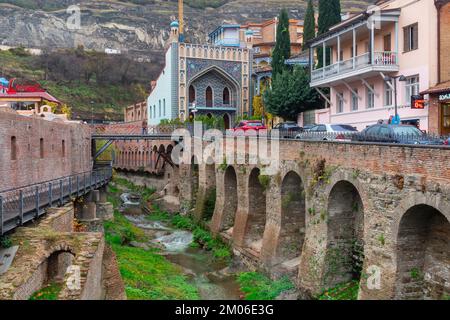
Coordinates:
(352, 192)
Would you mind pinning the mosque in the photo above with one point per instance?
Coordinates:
(202, 79)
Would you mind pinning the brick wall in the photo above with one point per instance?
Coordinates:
(445, 42)
(27, 166)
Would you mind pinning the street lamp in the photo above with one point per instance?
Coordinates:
(401, 78)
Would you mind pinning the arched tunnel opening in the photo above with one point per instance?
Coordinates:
(345, 249)
(423, 254)
(231, 196)
(293, 215)
(256, 222)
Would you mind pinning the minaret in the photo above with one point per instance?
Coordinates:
(174, 31)
(249, 38)
(181, 19)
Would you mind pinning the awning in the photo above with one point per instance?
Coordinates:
(28, 96)
(440, 88)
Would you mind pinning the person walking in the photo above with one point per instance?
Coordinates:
(144, 127)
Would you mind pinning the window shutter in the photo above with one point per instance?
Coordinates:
(415, 31)
(405, 39)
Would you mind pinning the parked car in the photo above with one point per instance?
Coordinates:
(396, 133)
(341, 132)
(246, 126)
(288, 129)
(308, 127)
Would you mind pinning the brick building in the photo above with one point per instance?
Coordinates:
(439, 96)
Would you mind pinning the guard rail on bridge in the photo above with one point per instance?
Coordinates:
(19, 206)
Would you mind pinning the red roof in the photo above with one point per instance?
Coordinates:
(37, 95)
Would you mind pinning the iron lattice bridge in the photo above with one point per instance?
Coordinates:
(22, 205)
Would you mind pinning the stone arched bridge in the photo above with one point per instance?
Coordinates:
(334, 212)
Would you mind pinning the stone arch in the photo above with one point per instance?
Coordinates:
(293, 218)
(422, 251)
(231, 200)
(58, 259)
(345, 234)
(256, 221)
(195, 177)
(210, 192)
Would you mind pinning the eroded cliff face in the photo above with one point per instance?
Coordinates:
(133, 28)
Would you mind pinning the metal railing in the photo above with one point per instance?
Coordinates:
(380, 58)
(21, 205)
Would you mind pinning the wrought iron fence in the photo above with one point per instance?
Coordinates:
(19, 206)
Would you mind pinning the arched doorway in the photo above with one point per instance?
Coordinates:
(209, 97)
(423, 254)
(256, 222)
(226, 120)
(292, 231)
(57, 264)
(230, 207)
(345, 248)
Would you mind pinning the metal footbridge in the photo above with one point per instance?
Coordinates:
(21, 205)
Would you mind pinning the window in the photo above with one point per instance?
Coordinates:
(164, 107)
(41, 148)
(387, 42)
(63, 148)
(191, 94)
(355, 100)
(412, 88)
(340, 103)
(356, 51)
(226, 96)
(370, 97)
(159, 104)
(13, 148)
(411, 37)
(388, 93)
(154, 111)
(150, 112)
(209, 97)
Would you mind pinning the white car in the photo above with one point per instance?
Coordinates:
(329, 132)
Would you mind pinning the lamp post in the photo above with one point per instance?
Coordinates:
(401, 78)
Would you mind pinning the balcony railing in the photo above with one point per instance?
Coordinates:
(384, 59)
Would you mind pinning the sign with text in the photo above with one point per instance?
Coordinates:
(417, 102)
(445, 96)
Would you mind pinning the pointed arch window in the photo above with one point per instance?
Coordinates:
(191, 94)
(209, 97)
(226, 96)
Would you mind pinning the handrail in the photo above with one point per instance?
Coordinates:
(21, 205)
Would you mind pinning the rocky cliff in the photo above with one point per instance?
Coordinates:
(135, 26)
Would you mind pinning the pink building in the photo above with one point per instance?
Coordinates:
(394, 38)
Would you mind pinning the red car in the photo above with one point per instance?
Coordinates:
(245, 127)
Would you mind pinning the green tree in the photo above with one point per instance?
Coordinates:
(291, 94)
(329, 15)
(309, 31)
(282, 50)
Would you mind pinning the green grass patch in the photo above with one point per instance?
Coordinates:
(50, 292)
(121, 231)
(344, 291)
(257, 286)
(149, 276)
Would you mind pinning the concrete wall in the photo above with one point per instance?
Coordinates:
(28, 167)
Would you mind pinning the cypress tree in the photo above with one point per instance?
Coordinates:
(309, 28)
(329, 15)
(282, 50)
